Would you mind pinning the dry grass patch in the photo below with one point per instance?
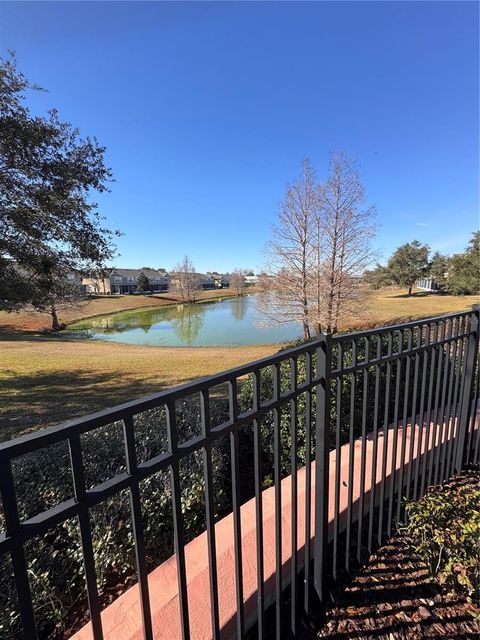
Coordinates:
(392, 304)
(44, 380)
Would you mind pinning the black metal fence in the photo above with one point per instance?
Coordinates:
(399, 402)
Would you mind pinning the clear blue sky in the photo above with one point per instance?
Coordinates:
(207, 110)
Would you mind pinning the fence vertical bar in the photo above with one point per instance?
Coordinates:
(210, 513)
(277, 473)
(468, 374)
(20, 573)
(375, 447)
(178, 522)
(432, 452)
(475, 407)
(237, 527)
(429, 410)
(454, 406)
(338, 457)
(363, 454)
(257, 460)
(421, 415)
(351, 456)
(294, 493)
(322, 458)
(386, 418)
(471, 421)
(476, 430)
(452, 357)
(138, 537)
(393, 467)
(308, 482)
(441, 414)
(406, 397)
(413, 417)
(86, 536)
(460, 390)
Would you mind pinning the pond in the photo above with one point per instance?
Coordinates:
(233, 321)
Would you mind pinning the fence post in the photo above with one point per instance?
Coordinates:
(468, 374)
(322, 456)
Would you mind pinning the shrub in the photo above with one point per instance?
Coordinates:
(444, 529)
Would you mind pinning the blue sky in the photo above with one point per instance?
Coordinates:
(207, 110)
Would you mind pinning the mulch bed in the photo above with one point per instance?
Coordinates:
(392, 597)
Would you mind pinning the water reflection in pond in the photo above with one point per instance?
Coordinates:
(234, 321)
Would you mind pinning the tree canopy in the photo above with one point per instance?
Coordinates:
(50, 227)
(143, 283)
(409, 263)
(439, 268)
(463, 276)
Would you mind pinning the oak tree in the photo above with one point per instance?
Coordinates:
(463, 275)
(50, 227)
(409, 263)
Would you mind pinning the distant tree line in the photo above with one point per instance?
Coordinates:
(458, 274)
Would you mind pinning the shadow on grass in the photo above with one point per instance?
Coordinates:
(416, 294)
(30, 402)
(14, 334)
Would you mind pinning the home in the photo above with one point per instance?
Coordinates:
(125, 281)
(428, 284)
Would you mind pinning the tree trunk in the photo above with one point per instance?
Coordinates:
(410, 290)
(55, 323)
(306, 330)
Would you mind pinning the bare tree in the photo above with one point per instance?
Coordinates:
(290, 253)
(345, 229)
(184, 281)
(320, 248)
(237, 281)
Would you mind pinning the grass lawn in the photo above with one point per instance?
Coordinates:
(46, 379)
(394, 305)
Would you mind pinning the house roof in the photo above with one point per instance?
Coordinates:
(134, 273)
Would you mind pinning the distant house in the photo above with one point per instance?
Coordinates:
(125, 281)
(222, 280)
(251, 280)
(225, 281)
(428, 284)
(206, 281)
(96, 284)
